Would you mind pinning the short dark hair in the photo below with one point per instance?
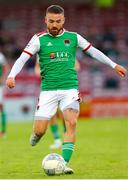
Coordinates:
(56, 9)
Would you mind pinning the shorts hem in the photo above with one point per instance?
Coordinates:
(76, 107)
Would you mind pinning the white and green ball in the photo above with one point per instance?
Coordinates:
(53, 164)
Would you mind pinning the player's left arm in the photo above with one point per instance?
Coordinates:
(99, 56)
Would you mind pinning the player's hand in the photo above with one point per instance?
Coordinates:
(120, 70)
(10, 82)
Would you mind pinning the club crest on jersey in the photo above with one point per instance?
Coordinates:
(67, 42)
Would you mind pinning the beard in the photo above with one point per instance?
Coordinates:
(54, 31)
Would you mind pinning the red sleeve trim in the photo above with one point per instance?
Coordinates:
(28, 53)
(87, 47)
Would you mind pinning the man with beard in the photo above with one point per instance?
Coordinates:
(56, 49)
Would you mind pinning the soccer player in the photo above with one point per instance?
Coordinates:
(3, 71)
(56, 48)
(53, 122)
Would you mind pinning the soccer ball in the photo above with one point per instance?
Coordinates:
(53, 164)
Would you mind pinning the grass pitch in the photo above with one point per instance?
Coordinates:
(101, 151)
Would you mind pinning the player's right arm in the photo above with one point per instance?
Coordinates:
(31, 49)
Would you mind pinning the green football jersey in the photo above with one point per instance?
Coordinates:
(57, 57)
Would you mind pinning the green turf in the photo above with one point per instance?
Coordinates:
(101, 151)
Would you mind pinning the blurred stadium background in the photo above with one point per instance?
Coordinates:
(102, 22)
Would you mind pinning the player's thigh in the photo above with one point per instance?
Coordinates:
(70, 100)
(70, 106)
(47, 105)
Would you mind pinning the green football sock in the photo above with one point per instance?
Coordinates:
(67, 150)
(3, 122)
(55, 131)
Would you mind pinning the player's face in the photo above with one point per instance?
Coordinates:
(54, 23)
